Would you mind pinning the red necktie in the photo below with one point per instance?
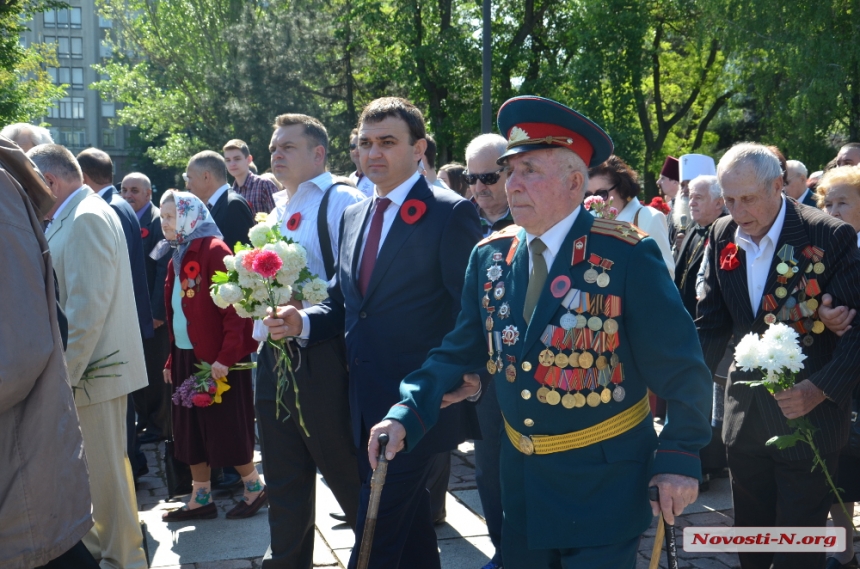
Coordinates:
(371, 248)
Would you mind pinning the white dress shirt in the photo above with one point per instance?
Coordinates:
(213, 199)
(306, 201)
(363, 183)
(759, 257)
(653, 223)
(397, 197)
(552, 238)
(62, 205)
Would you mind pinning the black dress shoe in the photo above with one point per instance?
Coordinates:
(339, 516)
(832, 563)
(207, 512)
(244, 510)
(223, 479)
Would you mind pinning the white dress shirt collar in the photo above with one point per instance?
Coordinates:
(213, 199)
(398, 194)
(553, 238)
(63, 206)
(759, 257)
(104, 191)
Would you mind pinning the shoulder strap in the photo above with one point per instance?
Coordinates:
(322, 232)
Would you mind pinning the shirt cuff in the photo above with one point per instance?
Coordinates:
(261, 332)
(306, 326)
(477, 395)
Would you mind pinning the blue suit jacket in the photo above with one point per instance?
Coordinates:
(595, 495)
(156, 270)
(412, 301)
(131, 229)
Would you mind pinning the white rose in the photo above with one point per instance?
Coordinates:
(259, 234)
(230, 292)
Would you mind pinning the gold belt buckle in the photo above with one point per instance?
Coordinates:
(527, 447)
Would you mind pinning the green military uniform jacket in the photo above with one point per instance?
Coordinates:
(595, 495)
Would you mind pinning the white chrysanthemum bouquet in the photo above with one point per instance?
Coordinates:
(779, 357)
(270, 274)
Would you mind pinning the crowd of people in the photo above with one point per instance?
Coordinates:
(527, 300)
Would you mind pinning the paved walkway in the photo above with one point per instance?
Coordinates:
(463, 540)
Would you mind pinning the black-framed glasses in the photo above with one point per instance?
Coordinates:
(604, 194)
(488, 178)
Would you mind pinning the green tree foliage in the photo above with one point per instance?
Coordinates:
(662, 76)
(26, 90)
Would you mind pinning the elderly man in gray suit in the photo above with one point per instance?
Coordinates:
(96, 293)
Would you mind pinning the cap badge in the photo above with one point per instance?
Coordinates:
(518, 134)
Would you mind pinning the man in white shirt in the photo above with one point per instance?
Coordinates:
(299, 150)
(771, 261)
(362, 182)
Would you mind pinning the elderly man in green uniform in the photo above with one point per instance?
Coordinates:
(576, 318)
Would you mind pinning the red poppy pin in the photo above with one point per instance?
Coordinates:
(144, 232)
(294, 221)
(560, 286)
(192, 269)
(729, 257)
(412, 211)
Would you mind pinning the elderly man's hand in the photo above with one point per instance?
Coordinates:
(286, 323)
(676, 493)
(396, 437)
(838, 320)
(799, 400)
(471, 386)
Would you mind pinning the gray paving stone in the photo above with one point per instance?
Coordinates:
(226, 564)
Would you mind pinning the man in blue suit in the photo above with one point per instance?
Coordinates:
(564, 311)
(97, 168)
(403, 254)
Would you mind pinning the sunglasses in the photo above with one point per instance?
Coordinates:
(604, 193)
(487, 179)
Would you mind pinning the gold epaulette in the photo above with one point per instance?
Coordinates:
(509, 231)
(622, 230)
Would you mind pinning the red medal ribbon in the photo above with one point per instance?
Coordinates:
(490, 342)
(801, 329)
(612, 342)
(594, 259)
(565, 380)
(540, 373)
(567, 341)
(558, 337)
(552, 376)
(578, 339)
(599, 342)
(782, 279)
(795, 313)
(512, 251)
(812, 288)
(578, 374)
(488, 287)
(618, 374)
(768, 303)
(579, 250)
(491, 309)
(587, 338)
(612, 309)
(606, 264)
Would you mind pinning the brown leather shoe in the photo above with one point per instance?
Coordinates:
(207, 512)
(244, 510)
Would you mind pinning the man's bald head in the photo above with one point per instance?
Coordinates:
(136, 189)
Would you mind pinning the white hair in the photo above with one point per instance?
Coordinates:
(38, 135)
(479, 143)
(574, 163)
(713, 185)
(760, 157)
(797, 166)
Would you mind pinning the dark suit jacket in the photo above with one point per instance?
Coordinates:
(156, 271)
(234, 218)
(809, 199)
(412, 301)
(832, 364)
(688, 260)
(131, 229)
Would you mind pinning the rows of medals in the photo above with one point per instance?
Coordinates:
(800, 307)
(579, 365)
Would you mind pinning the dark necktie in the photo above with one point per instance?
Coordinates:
(537, 278)
(371, 247)
(45, 224)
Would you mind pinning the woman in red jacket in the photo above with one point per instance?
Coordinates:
(221, 434)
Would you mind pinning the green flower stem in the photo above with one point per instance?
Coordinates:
(283, 369)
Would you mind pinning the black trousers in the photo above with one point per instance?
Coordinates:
(291, 460)
(437, 484)
(78, 557)
(152, 402)
(404, 536)
(769, 491)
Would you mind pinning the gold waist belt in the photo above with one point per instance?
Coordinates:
(612, 427)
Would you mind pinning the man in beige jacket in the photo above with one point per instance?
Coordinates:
(96, 293)
(45, 506)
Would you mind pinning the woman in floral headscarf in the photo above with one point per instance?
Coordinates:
(221, 434)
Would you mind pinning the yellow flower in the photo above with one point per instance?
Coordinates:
(220, 387)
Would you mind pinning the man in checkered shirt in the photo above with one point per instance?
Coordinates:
(257, 191)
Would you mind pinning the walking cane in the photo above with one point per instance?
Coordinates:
(663, 527)
(377, 480)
